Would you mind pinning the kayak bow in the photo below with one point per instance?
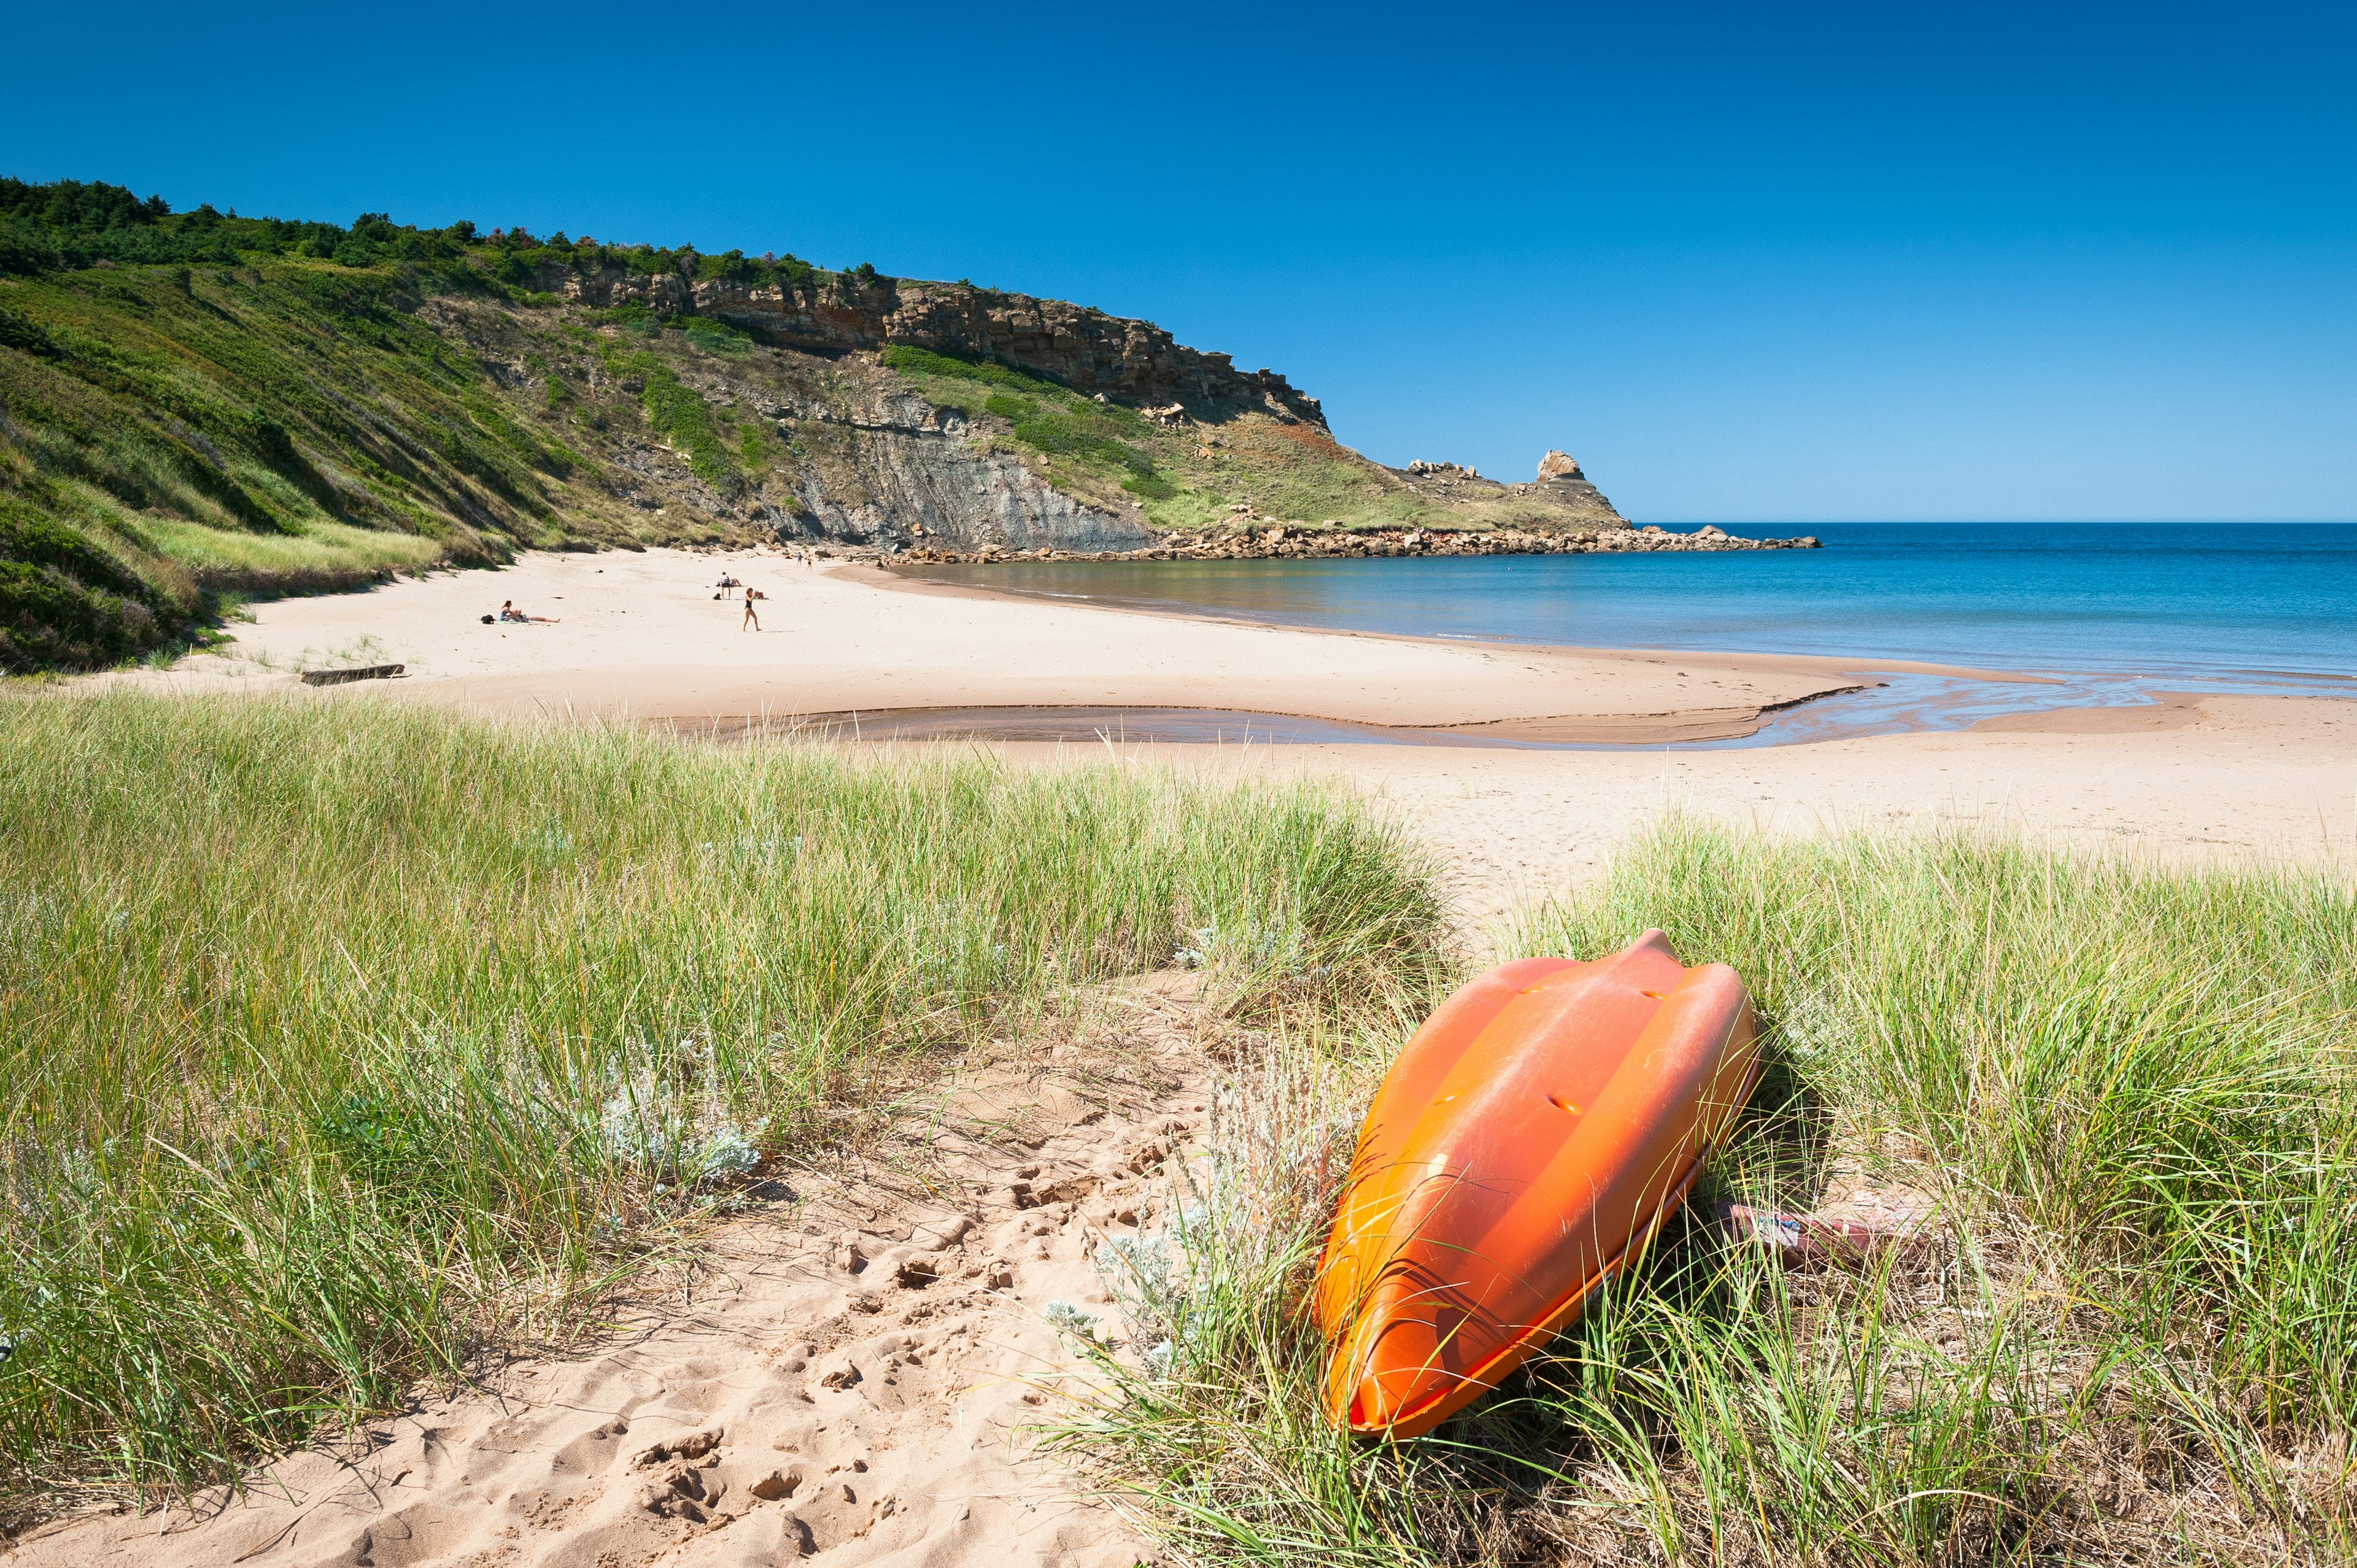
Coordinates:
(1525, 1145)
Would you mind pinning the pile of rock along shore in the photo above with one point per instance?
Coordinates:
(1275, 543)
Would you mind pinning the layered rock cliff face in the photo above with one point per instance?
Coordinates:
(1084, 349)
(909, 475)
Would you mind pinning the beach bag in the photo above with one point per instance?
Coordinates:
(488, 619)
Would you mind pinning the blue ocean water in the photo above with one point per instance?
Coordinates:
(2107, 614)
(2149, 598)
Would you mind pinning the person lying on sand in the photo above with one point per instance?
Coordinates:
(508, 611)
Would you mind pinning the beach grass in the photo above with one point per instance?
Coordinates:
(324, 554)
(341, 1041)
(2128, 1333)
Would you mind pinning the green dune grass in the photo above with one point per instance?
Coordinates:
(340, 1041)
(2131, 1336)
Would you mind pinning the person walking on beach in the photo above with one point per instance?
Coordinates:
(751, 622)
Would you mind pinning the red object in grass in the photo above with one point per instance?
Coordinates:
(1525, 1147)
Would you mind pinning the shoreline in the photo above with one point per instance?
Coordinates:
(1813, 663)
(645, 643)
(634, 635)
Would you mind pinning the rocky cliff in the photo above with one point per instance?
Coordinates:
(1073, 345)
(909, 475)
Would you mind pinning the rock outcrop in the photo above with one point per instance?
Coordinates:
(917, 487)
(1085, 349)
(1281, 543)
(1561, 489)
(1561, 483)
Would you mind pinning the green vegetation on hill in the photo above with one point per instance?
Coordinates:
(194, 403)
(1100, 446)
(70, 225)
(196, 429)
(2123, 1095)
(1111, 455)
(338, 1043)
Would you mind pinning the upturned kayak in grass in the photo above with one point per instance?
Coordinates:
(1527, 1144)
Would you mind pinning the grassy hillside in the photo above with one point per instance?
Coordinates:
(193, 404)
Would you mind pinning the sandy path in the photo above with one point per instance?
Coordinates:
(860, 1385)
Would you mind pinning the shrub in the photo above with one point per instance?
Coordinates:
(717, 337)
(909, 359)
(26, 336)
(680, 413)
(48, 619)
(1075, 435)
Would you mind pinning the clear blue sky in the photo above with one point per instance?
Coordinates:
(1746, 262)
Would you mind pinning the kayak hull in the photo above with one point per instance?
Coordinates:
(1525, 1145)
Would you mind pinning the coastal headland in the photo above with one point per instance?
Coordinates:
(202, 405)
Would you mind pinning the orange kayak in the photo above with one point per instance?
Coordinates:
(1528, 1143)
